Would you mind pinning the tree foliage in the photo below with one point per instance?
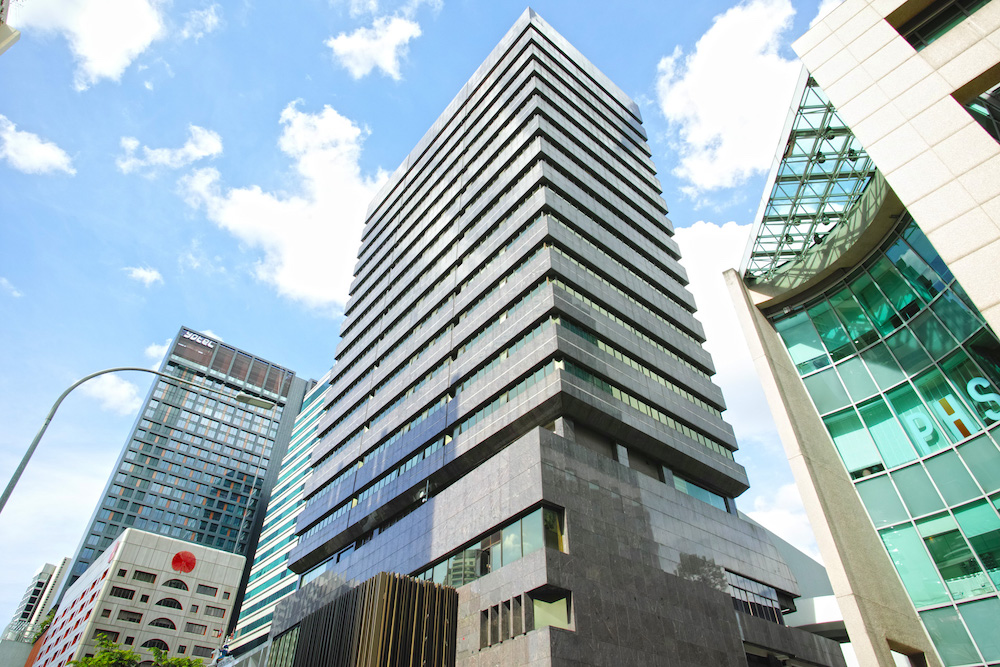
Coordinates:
(111, 654)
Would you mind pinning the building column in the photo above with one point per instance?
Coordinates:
(877, 611)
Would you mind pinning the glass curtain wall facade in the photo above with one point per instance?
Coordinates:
(270, 579)
(906, 377)
(196, 466)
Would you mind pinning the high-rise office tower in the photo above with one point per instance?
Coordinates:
(270, 579)
(521, 406)
(38, 598)
(869, 297)
(196, 464)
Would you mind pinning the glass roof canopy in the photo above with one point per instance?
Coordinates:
(817, 182)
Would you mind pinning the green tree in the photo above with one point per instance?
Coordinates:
(44, 625)
(111, 654)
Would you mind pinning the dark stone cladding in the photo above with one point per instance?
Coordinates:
(532, 206)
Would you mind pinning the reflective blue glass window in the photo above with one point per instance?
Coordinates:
(915, 270)
(980, 393)
(915, 237)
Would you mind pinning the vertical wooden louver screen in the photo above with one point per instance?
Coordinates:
(390, 620)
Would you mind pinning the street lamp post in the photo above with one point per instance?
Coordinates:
(242, 398)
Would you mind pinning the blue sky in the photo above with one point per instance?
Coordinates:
(208, 163)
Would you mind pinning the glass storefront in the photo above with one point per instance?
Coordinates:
(906, 376)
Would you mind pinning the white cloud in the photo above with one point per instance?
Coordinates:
(156, 352)
(782, 513)
(310, 239)
(105, 36)
(145, 275)
(211, 334)
(115, 394)
(201, 143)
(148, 85)
(359, 7)
(200, 22)
(381, 46)
(825, 7)
(726, 102)
(10, 289)
(197, 259)
(30, 153)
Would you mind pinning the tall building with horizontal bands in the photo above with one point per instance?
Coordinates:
(196, 466)
(521, 406)
(869, 297)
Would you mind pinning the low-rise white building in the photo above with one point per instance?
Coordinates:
(146, 591)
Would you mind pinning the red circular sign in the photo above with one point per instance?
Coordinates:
(183, 561)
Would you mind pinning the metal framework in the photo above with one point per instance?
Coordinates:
(819, 179)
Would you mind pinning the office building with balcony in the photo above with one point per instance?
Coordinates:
(869, 296)
(522, 408)
(196, 465)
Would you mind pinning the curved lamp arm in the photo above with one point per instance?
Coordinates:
(55, 406)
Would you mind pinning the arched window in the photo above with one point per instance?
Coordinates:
(170, 602)
(163, 623)
(156, 643)
(176, 583)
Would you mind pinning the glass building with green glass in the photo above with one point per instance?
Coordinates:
(868, 297)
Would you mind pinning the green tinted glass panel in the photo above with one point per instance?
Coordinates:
(881, 501)
(955, 315)
(952, 479)
(856, 378)
(511, 543)
(802, 341)
(532, 538)
(981, 618)
(831, 331)
(985, 351)
(914, 566)
(983, 459)
(907, 351)
(440, 572)
(826, 391)
(950, 637)
(915, 237)
(552, 525)
(883, 366)
(892, 443)
(852, 440)
(981, 526)
(946, 405)
(982, 395)
(917, 422)
(915, 270)
(859, 328)
(917, 491)
(554, 614)
(954, 560)
(935, 338)
(895, 288)
(874, 304)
